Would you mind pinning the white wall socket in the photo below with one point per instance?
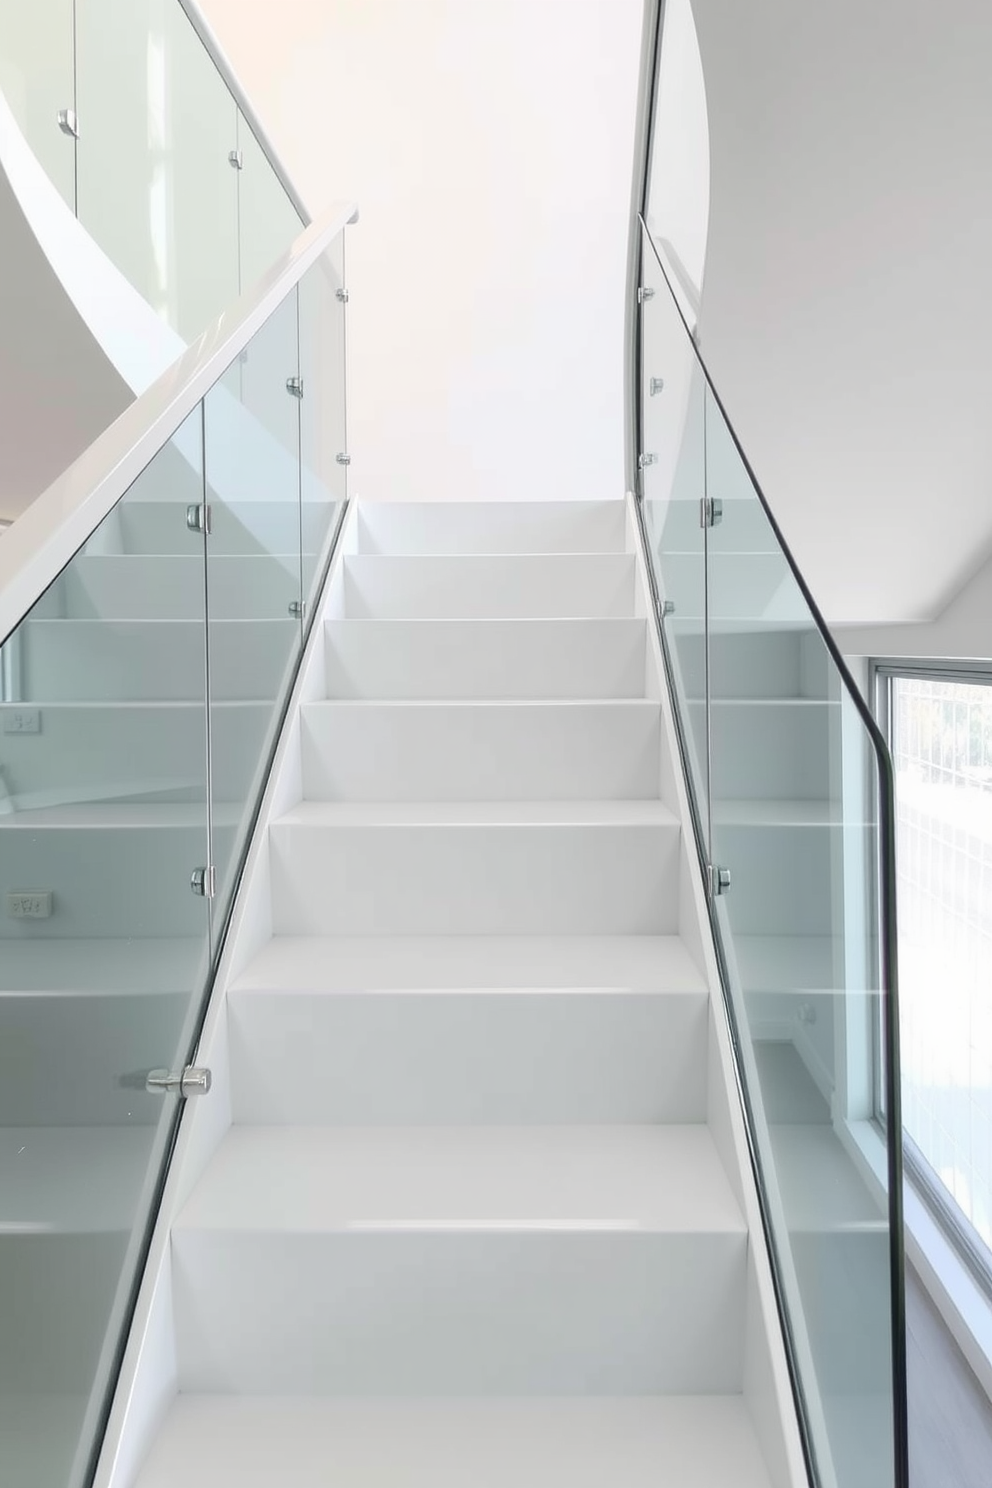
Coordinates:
(29, 904)
(22, 721)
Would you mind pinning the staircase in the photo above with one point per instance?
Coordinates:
(470, 1225)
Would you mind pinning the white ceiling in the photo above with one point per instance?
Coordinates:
(847, 316)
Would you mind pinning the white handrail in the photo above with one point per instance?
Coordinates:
(54, 527)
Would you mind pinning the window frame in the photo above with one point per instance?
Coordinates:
(954, 1224)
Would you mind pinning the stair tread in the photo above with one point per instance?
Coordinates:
(218, 1441)
(113, 814)
(656, 1179)
(478, 813)
(648, 963)
(778, 813)
(641, 704)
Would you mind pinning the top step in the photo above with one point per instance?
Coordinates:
(442, 528)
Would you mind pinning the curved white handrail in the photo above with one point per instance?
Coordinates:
(54, 527)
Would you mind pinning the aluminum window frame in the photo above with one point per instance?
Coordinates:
(954, 1224)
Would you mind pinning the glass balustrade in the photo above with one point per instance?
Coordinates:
(792, 790)
(153, 153)
(141, 701)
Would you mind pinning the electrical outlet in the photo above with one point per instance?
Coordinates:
(29, 904)
(22, 721)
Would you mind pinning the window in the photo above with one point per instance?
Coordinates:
(939, 724)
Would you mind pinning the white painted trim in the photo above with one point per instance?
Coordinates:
(53, 529)
(148, 1379)
(779, 1430)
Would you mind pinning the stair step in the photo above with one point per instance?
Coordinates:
(154, 660)
(213, 1441)
(491, 527)
(170, 586)
(113, 870)
(133, 750)
(71, 1180)
(771, 747)
(447, 751)
(524, 586)
(461, 1260)
(483, 1032)
(501, 659)
(783, 856)
(476, 868)
(241, 527)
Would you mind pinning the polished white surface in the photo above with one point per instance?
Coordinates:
(475, 659)
(256, 1442)
(457, 1260)
(469, 586)
(479, 1031)
(459, 963)
(652, 1179)
(444, 751)
(512, 868)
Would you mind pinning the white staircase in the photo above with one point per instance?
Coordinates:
(470, 1226)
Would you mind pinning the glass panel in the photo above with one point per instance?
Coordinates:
(673, 485)
(102, 820)
(269, 222)
(324, 421)
(254, 594)
(793, 790)
(36, 80)
(156, 186)
(941, 734)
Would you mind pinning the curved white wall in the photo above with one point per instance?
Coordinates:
(847, 317)
(78, 341)
(489, 146)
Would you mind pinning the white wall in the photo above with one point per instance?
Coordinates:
(846, 316)
(489, 146)
(963, 631)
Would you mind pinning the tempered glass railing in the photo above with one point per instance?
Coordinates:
(151, 146)
(792, 792)
(143, 692)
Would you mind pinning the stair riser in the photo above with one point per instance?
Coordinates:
(145, 661)
(477, 660)
(487, 753)
(474, 880)
(132, 753)
(500, 1058)
(480, 527)
(753, 664)
(591, 585)
(172, 587)
(247, 528)
(63, 1058)
(107, 881)
(783, 877)
(56, 1293)
(769, 751)
(416, 1313)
